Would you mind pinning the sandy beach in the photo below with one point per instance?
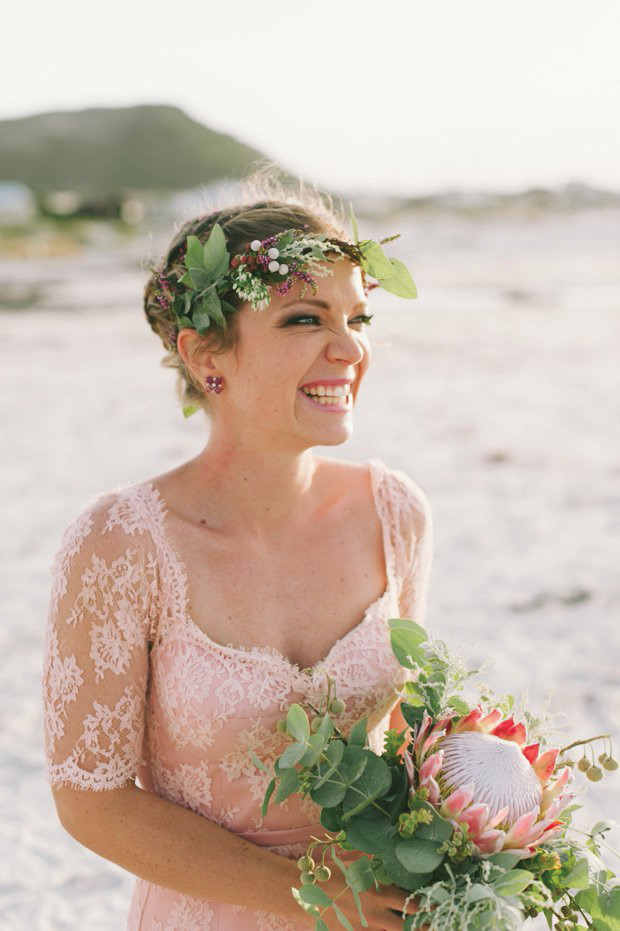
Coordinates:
(497, 391)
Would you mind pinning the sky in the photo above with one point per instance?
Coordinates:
(401, 96)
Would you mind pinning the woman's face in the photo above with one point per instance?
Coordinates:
(318, 340)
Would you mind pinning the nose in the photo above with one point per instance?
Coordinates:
(345, 346)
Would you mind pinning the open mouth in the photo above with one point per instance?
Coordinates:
(329, 397)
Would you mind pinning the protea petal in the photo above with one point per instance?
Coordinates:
(516, 733)
(476, 818)
(454, 804)
(421, 731)
(486, 724)
(409, 767)
(503, 727)
(431, 766)
(545, 764)
(499, 817)
(519, 833)
(434, 792)
(490, 842)
(468, 722)
(531, 752)
(553, 789)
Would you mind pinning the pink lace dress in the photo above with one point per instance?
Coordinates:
(133, 690)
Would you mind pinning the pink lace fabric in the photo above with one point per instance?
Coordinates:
(134, 690)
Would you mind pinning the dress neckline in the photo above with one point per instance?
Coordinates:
(375, 468)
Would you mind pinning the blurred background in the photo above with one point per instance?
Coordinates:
(487, 135)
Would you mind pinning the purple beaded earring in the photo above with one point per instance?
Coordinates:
(214, 383)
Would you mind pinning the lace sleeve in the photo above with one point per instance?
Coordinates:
(95, 666)
(415, 550)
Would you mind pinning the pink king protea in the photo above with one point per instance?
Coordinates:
(483, 777)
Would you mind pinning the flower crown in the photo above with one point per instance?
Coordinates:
(278, 261)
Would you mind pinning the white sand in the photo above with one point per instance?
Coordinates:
(497, 391)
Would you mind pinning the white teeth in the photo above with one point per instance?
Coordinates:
(337, 391)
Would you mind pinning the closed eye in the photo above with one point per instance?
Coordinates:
(365, 318)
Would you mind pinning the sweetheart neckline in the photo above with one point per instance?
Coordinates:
(269, 651)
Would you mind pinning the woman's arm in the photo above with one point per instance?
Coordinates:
(174, 847)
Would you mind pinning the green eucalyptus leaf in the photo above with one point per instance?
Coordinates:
(369, 831)
(199, 279)
(374, 260)
(334, 752)
(357, 735)
(314, 895)
(400, 283)
(297, 724)
(356, 759)
(258, 763)
(457, 704)
(375, 781)
(398, 873)
(360, 876)
(342, 918)
(505, 859)
(330, 793)
(326, 728)
(439, 829)
(186, 322)
(314, 748)
(268, 794)
(214, 308)
(419, 856)
(194, 257)
(284, 240)
(292, 754)
(578, 878)
(512, 882)
(216, 257)
(186, 279)
(330, 819)
(406, 638)
(202, 320)
(289, 783)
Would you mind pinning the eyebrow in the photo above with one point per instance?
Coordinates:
(318, 303)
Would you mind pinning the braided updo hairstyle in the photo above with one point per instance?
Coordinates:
(266, 205)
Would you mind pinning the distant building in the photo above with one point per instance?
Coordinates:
(17, 203)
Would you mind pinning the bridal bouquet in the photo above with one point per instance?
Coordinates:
(466, 810)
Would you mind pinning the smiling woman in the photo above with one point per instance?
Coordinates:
(189, 610)
(270, 209)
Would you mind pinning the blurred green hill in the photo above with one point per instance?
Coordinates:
(103, 151)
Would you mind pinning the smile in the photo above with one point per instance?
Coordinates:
(329, 397)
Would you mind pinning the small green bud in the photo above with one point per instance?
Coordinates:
(322, 873)
(307, 879)
(315, 724)
(337, 706)
(306, 863)
(584, 764)
(281, 726)
(594, 773)
(610, 764)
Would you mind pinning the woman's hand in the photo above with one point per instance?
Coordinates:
(376, 905)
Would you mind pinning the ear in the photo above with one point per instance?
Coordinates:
(192, 349)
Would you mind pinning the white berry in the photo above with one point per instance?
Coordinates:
(273, 266)
(255, 244)
(283, 269)
(273, 253)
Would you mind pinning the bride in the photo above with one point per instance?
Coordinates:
(188, 610)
